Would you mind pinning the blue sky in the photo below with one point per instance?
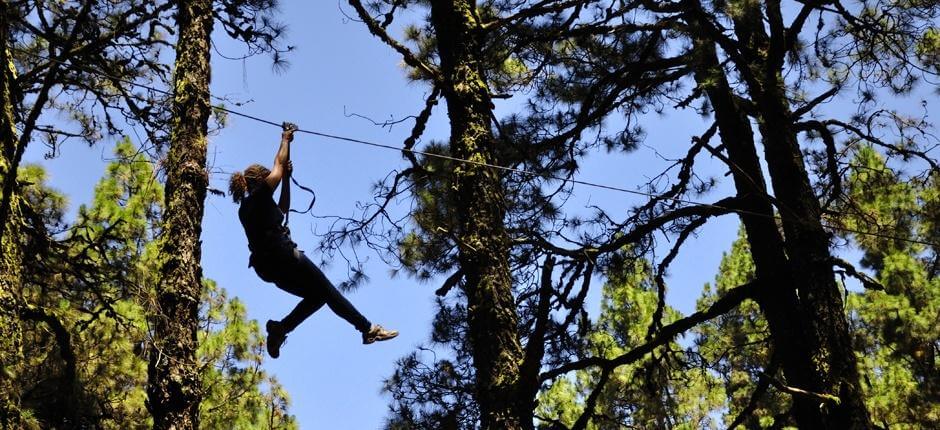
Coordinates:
(334, 381)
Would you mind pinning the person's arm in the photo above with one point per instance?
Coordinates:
(284, 201)
(282, 157)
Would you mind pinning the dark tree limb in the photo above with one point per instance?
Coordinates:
(591, 401)
(449, 283)
(867, 281)
(799, 392)
(832, 162)
(409, 57)
(778, 33)
(729, 301)
(542, 8)
(421, 121)
(576, 306)
(796, 26)
(63, 340)
(535, 347)
(803, 110)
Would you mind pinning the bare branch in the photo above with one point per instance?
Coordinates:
(729, 301)
(849, 269)
(657, 320)
(409, 57)
(821, 397)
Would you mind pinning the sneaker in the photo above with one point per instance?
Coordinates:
(377, 334)
(276, 337)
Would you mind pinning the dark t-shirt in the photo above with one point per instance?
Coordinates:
(263, 220)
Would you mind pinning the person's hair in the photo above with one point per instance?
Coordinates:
(241, 182)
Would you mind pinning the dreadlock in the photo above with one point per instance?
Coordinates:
(241, 182)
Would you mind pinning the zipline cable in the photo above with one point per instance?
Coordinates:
(466, 161)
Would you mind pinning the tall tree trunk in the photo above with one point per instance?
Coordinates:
(11, 243)
(483, 241)
(807, 246)
(807, 242)
(174, 385)
(777, 297)
(820, 357)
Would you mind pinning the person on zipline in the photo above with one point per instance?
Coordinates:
(275, 256)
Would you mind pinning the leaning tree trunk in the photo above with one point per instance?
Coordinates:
(807, 246)
(777, 293)
(826, 334)
(174, 383)
(11, 244)
(483, 240)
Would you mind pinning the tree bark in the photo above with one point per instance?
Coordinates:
(11, 243)
(807, 246)
(777, 297)
(174, 384)
(483, 240)
(804, 307)
(807, 242)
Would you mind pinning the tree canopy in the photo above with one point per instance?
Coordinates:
(822, 314)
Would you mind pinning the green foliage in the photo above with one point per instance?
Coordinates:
(561, 402)
(736, 345)
(231, 352)
(928, 47)
(662, 390)
(896, 333)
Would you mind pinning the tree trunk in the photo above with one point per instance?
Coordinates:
(807, 242)
(807, 246)
(777, 295)
(483, 241)
(11, 242)
(174, 384)
(806, 317)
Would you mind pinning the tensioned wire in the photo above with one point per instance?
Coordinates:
(473, 162)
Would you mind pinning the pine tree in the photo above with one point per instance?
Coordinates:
(174, 391)
(481, 237)
(475, 205)
(231, 352)
(895, 330)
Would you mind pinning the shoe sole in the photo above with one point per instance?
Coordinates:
(372, 340)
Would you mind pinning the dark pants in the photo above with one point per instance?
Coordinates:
(296, 274)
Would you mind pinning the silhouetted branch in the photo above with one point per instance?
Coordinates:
(729, 301)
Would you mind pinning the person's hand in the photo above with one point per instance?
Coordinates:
(289, 167)
(289, 129)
